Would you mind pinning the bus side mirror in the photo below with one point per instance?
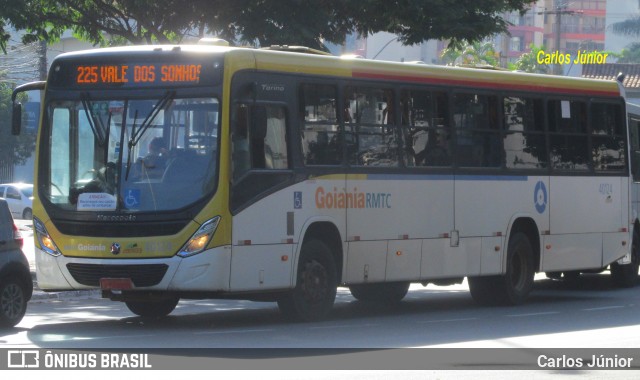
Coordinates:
(16, 114)
(16, 119)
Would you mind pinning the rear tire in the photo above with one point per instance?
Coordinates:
(626, 276)
(153, 309)
(514, 286)
(316, 285)
(13, 301)
(27, 214)
(384, 293)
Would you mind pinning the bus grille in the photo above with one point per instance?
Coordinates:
(141, 275)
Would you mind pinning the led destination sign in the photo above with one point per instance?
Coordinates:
(117, 71)
(138, 74)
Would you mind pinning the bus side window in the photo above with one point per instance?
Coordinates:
(241, 157)
(524, 139)
(259, 139)
(275, 138)
(607, 137)
(321, 137)
(257, 135)
(634, 131)
(477, 130)
(568, 139)
(425, 128)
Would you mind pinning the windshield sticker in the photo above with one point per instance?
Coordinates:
(96, 202)
(132, 198)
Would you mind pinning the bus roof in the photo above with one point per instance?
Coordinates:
(314, 64)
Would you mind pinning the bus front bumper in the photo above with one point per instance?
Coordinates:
(207, 271)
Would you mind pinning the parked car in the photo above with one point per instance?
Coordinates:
(16, 285)
(19, 197)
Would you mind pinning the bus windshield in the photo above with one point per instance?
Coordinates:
(130, 155)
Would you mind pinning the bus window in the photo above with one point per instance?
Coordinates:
(240, 138)
(60, 178)
(634, 133)
(607, 137)
(568, 141)
(370, 134)
(477, 130)
(425, 128)
(524, 140)
(260, 139)
(321, 140)
(275, 139)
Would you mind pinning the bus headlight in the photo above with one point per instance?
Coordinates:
(46, 242)
(200, 239)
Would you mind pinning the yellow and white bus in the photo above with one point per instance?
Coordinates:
(169, 172)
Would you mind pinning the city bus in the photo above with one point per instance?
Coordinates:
(280, 174)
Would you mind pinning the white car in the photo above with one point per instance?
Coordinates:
(19, 197)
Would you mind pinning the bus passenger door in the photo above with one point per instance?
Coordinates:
(634, 133)
(262, 250)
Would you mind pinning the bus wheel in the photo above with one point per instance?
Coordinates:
(514, 286)
(316, 285)
(153, 309)
(385, 293)
(626, 276)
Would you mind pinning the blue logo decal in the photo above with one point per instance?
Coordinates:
(540, 197)
(132, 199)
(297, 199)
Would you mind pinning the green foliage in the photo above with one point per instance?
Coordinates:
(629, 27)
(630, 54)
(528, 62)
(476, 53)
(415, 21)
(13, 149)
(293, 22)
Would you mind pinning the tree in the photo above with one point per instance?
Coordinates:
(14, 150)
(629, 27)
(250, 21)
(528, 62)
(476, 53)
(630, 54)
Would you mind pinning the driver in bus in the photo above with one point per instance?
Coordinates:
(153, 164)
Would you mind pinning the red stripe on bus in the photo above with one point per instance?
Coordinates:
(473, 83)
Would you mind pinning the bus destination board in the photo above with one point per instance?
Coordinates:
(138, 74)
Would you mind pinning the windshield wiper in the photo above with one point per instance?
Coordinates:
(137, 135)
(95, 122)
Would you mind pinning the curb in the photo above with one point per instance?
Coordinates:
(39, 294)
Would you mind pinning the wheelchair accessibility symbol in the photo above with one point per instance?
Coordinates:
(297, 199)
(133, 198)
(540, 197)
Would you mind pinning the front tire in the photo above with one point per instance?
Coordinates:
(27, 214)
(514, 286)
(13, 302)
(153, 309)
(316, 285)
